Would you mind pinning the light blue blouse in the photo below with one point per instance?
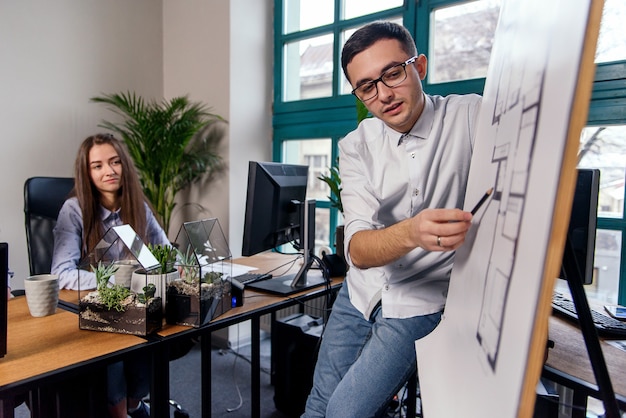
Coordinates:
(68, 234)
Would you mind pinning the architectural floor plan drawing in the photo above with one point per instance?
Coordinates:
(517, 109)
(487, 352)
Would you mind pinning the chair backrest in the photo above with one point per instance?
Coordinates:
(43, 198)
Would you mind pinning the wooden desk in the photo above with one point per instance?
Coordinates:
(256, 304)
(64, 346)
(568, 364)
(42, 349)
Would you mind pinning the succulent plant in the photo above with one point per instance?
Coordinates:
(111, 296)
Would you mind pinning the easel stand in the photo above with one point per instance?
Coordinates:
(590, 335)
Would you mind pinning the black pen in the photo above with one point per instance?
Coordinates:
(481, 201)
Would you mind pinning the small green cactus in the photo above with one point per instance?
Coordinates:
(111, 296)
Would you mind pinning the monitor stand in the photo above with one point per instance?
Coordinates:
(305, 278)
(282, 285)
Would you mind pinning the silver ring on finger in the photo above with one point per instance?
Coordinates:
(439, 241)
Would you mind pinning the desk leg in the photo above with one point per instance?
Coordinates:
(274, 344)
(256, 367)
(160, 386)
(205, 373)
(579, 400)
(7, 408)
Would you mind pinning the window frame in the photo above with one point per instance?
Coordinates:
(300, 119)
(332, 117)
(608, 107)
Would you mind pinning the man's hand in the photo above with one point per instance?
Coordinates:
(439, 229)
(431, 229)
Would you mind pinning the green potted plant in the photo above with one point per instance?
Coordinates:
(173, 143)
(115, 308)
(333, 180)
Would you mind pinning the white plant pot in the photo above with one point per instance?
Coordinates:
(124, 273)
(140, 279)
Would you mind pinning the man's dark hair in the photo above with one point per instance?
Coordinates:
(372, 33)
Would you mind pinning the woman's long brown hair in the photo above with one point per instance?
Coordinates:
(132, 198)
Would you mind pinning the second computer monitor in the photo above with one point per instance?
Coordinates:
(275, 193)
(581, 234)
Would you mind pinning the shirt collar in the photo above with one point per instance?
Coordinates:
(106, 214)
(422, 127)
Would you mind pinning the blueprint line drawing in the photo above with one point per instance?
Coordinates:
(517, 109)
(487, 352)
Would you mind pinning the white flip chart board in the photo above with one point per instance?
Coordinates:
(485, 357)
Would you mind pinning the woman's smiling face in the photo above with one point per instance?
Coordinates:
(105, 169)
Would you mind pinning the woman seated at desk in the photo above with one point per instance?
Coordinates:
(106, 193)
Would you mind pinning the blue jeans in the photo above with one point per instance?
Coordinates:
(363, 363)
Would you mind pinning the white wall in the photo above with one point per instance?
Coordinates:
(251, 92)
(229, 66)
(56, 55)
(221, 53)
(196, 51)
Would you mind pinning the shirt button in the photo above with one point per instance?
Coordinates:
(412, 155)
(416, 192)
(386, 287)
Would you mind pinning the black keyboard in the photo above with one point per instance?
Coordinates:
(606, 326)
(248, 278)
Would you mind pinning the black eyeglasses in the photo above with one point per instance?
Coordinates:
(390, 78)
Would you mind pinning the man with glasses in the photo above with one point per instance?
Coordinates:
(404, 174)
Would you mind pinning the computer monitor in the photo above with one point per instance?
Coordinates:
(278, 213)
(581, 234)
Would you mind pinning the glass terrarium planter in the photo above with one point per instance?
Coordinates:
(106, 300)
(203, 290)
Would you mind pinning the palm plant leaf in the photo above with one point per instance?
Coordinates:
(161, 140)
(334, 182)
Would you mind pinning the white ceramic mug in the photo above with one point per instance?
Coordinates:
(42, 294)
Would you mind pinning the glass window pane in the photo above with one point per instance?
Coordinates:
(308, 70)
(301, 15)
(607, 263)
(355, 8)
(345, 87)
(604, 147)
(611, 44)
(316, 153)
(322, 228)
(461, 38)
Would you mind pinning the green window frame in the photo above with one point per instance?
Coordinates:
(334, 116)
(608, 107)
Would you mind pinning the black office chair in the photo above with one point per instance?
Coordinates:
(43, 198)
